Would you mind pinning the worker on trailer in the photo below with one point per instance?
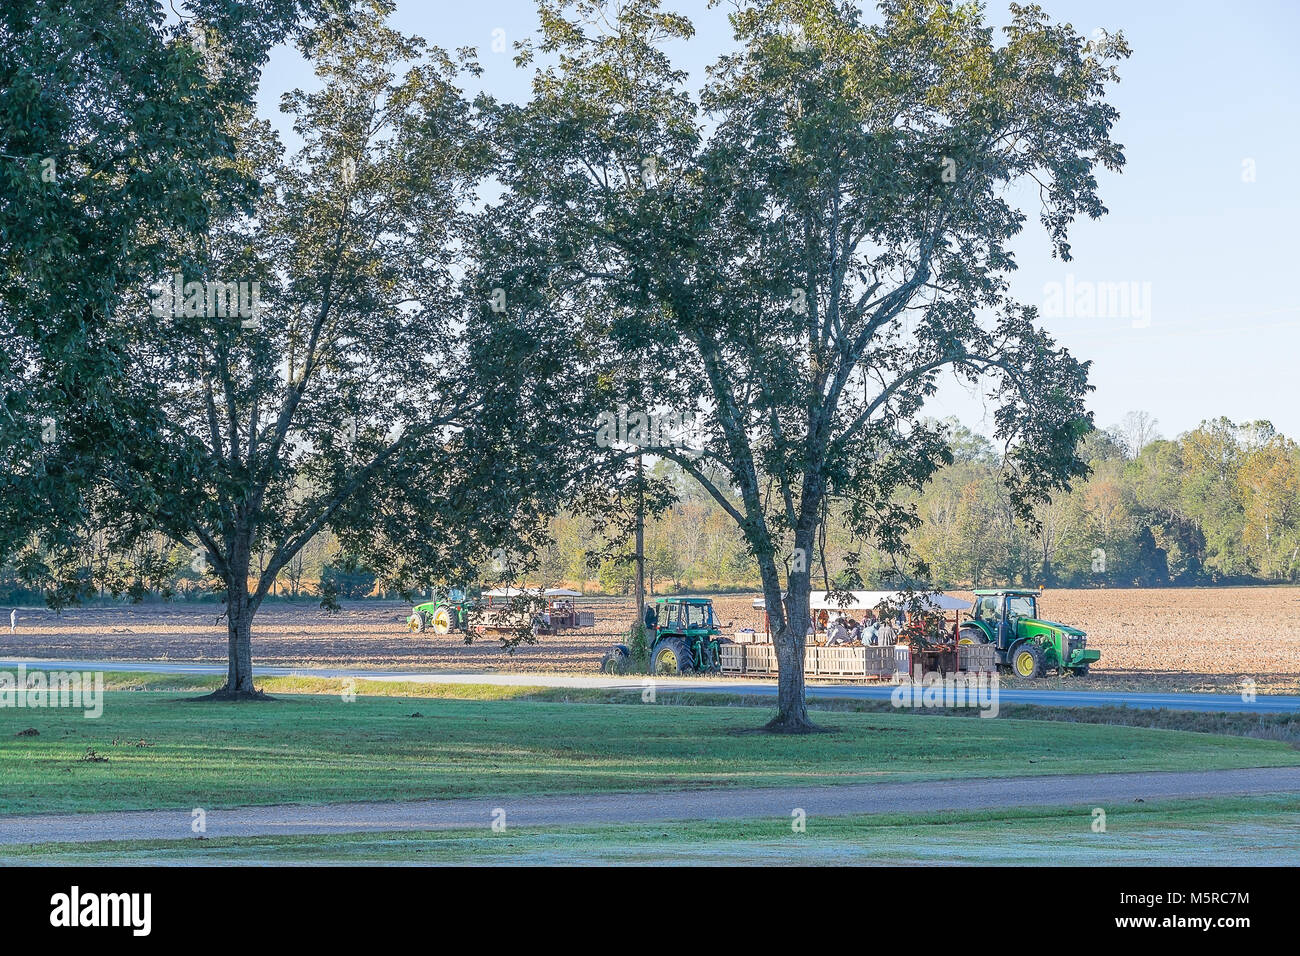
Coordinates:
(887, 633)
(870, 628)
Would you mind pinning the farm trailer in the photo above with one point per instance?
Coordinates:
(1004, 631)
(688, 639)
(854, 663)
(749, 655)
(508, 609)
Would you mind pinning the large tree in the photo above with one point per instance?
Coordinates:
(798, 252)
(373, 390)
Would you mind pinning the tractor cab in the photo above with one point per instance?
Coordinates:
(1027, 645)
(680, 615)
(998, 611)
(686, 638)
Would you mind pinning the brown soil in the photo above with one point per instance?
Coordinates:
(1170, 639)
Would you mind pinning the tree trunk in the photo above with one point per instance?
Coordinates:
(791, 703)
(790, 640)
(239, 640)
(240, 608)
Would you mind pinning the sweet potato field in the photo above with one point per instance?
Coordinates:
(1158, 639)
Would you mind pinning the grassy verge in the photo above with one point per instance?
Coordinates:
(152, 750)
(1282, 727)
(1230, 831)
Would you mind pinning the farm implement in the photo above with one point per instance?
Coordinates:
(502, 610)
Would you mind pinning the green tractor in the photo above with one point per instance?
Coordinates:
(687, 637)
(1028, 646)
(686, 640)
(441, 615)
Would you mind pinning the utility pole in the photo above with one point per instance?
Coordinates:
(640, 543)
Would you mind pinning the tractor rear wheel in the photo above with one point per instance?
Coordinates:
(971, 635)
(671, 655)
(1028, 661)
(442, 621)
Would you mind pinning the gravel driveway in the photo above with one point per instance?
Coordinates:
(1089, 790)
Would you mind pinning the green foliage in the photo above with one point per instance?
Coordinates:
(329, 597)
(113, 136)
(1140, 521)
(639, 646)
(349, 577)
(1216, 505)
(801, 249)
(617, 576)
(366, 388)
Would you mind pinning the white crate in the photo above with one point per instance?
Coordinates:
(733, 658)
(760, 659)
(878, 661)
(837, 661)
(979, 658)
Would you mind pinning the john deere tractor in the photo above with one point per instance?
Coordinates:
(687, 637)
(1028, 646)
(442, 615)
(686, 640)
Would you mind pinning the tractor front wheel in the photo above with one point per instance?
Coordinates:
(1028, 661)
(671, 655)
(616, 659)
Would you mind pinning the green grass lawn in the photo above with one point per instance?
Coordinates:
(1227, 831)
(164, 752)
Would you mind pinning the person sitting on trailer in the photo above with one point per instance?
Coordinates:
(855, 631)
(837, 633)
(870, 628)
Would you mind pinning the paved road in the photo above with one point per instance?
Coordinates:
(1262, 704)
(1084, 791)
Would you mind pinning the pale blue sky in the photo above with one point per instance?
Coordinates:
(1209, 87)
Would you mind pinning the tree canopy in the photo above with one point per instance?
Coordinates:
(797, 252)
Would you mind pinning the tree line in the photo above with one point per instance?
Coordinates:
(1217, 505)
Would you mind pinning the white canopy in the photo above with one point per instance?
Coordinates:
(562, 592)
(506, 592)
(870, 600)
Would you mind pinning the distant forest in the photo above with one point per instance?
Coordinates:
(1216, 505)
